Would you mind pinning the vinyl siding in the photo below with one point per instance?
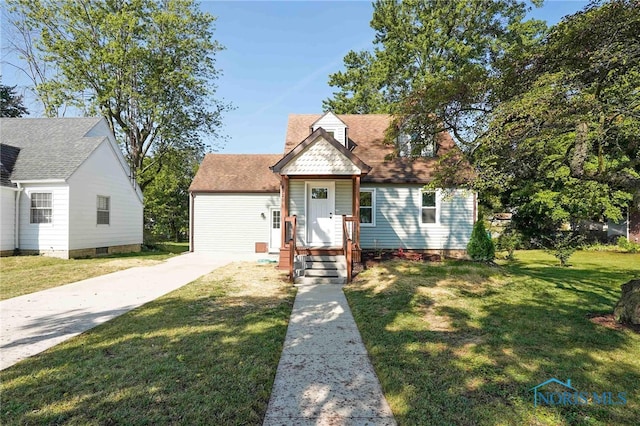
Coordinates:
(49, 237)
(102, 174)
(331, 123)
(296, 207)
(231, 222)
(7, 218)
(344, 195)
(398, 220)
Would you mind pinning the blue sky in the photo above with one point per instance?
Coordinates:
(279, 55)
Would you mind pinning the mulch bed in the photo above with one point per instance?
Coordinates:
(607, 320)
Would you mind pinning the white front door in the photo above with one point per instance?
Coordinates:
(320, 212)
(274, 225)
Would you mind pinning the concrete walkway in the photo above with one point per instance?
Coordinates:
(34, 322)
(324, 376)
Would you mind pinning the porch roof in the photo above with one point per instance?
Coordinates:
(314, 138)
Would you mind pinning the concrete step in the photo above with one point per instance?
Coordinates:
(326, 265)
(325, 273)
(324, 258)
(319, 280)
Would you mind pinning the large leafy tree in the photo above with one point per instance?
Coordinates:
(10, 102)
(566, 146)
(147, 66)
(436, 65)
(167, 197)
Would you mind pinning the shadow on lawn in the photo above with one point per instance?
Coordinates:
(200, 360)
(497, 342)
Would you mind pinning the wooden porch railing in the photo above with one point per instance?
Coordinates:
(350, 242)
(290, 241)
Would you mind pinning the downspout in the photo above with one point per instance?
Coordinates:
(16, 233)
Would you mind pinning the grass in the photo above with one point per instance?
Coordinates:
(463, 343)
(204, 354)
(27, 274)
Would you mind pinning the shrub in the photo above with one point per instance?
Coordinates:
(628, 246)
(562, 245)
(480, 246)
(509, 241)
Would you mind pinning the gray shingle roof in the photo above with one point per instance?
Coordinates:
(50, 148)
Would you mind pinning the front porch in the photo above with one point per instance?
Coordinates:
(326, 262)
(320, 201)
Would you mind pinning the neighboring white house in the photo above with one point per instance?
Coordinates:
(66, 189)
(335, 174)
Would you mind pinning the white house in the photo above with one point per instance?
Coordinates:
(66, 189)
(336, 189)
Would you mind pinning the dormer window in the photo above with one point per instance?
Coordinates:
(411, 146)
(334, 126)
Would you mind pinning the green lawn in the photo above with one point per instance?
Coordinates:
(26, 274)
(461, 343)
(205, 354)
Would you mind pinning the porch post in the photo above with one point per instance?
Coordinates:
(356, 210)
(284, 207)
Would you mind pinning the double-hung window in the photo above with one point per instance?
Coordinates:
(368, 207)
(429, 208)
(41, 207)
(103, 210)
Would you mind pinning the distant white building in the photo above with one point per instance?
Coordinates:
(66, 189)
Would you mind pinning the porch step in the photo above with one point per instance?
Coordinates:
(323, 269)
(319, 280)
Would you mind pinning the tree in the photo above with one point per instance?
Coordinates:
(166, 206)
(480, 246)
(11, 103)
(147, 66)
(436, 65)
(565, 146)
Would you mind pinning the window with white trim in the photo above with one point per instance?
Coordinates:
(429, 208)
(41, 207)
(368, 207)
(103, 210)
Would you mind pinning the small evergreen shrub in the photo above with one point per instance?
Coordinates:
(480, 247)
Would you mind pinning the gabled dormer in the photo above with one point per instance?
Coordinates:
(334, 126)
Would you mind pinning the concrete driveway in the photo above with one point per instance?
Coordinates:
(34, 322)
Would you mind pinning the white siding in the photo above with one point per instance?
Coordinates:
(344, 195)
(398, 220)
(102, 174)
(331, 123)
(321, 158)
(7, 218)
(47, 237)
(297, 205)
(231, 222)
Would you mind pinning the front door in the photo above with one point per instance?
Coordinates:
(275, 236)
(320, 209)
